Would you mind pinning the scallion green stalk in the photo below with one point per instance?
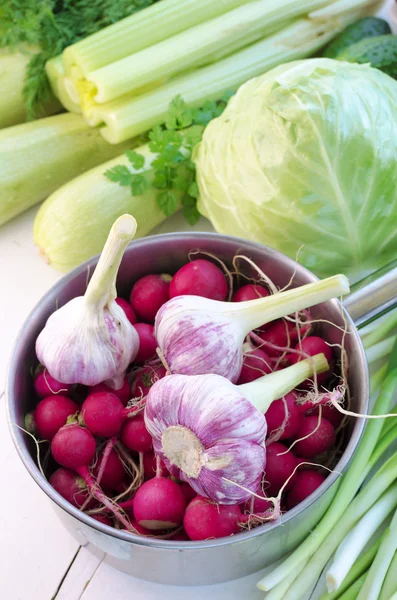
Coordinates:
(127, 118)
(389, 587)
(354, 589)
(380, 350)
(194, 47)
(338, 510)
(353, 544)
(358, 569)
(377, 572)
(142, 29)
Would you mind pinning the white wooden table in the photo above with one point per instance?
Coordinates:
(39, 560)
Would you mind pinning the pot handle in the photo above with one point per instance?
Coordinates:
(373, 296)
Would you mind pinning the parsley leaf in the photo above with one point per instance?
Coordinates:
(119, 174)
(172, 171)
(137, 160)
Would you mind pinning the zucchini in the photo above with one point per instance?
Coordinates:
(380, 52)
(73, 223)
(364, 28)
(38, 157)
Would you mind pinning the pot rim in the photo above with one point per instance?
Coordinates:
(17, 434)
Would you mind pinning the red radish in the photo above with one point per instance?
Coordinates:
(73, 446)
(312, 345)
(159, 504)
(124, 393)
(104, 414)
(113, 474)
(283, 417)
(188, 492)
(128, 507)
(127, 308)
(305, 484)
(330, 413)
(150, 466)
(257, 505)
(70, 486)
(145, 378)
(147, 342)
(199, 278)
(180, 536)
(280, 464)
(256, 363)
(250, 291)
(280, 333)
(319, 437)
(103, 519)
(51, 414)
(148, 294)
(45, 385)
(135, 436)
(205, 519)
(139, 529)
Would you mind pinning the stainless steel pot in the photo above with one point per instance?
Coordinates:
(195, 563)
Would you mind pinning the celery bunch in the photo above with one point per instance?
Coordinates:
(125, 75)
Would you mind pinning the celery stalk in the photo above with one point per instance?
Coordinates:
(89, 205)
(56, 73)
(194, 47)
(142, 29)
(126, 118)
(37, 157)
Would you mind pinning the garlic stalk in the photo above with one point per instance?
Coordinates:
(211, 433)
(197, 335)
(90, 340)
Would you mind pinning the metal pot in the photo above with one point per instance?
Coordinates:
(192, 563)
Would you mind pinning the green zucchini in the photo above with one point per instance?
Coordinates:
(364, 28)
(380, 52)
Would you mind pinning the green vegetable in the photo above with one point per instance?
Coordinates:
(89, 205)
(153, 181)
(303, 159)
(364, 28)
(36, 158)
(380, 52)
(52, 25)
(346, 507)
(13, 66)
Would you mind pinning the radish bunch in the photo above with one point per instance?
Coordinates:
(108, 452)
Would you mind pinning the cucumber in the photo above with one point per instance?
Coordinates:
(365, 28)
(380, 52)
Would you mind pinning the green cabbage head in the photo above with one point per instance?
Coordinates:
(305, 157)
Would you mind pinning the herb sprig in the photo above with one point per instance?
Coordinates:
(173, 169)
(51, 25)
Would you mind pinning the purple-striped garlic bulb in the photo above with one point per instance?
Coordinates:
(197, 335)
(211, 433)
(89, 339)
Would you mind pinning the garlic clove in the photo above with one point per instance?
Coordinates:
(90, 340)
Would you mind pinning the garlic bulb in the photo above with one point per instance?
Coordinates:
(211, 433)
(90, 340)
(197, 335)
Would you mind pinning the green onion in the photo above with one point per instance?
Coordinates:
(390, 583)
(145, 28)
(128, 118)
(377, 572)
(318, 547)
(353, 544)
(354, 589)
(358, 569)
